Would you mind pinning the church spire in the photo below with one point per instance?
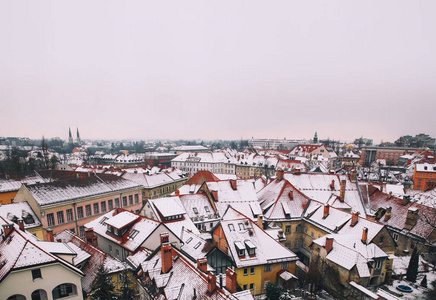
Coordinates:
(315, 138)
(70, 138)
(78, 138)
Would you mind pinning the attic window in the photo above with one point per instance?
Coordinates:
(240, 249)
(231, 227)
(195, 210)
(206, 209)
(241, 226)
(197, 245)
(189, 240)
(103, 220)
(250, 247)
(133, 233)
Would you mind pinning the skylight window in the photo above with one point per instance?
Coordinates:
(231, 227)
(189, 240)
(195, 210)
(206, 209)
(133, 233)
(197, 245)
(103, 220)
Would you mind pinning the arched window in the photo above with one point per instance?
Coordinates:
(17, 297)
(64, 290)
(39, 295)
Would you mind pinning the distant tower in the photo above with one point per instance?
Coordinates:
(70, 138)
(315, 138)
(78, 138)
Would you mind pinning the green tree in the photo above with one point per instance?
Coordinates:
(273, 291)
(412, 269)
(126, 290)
(103, 287)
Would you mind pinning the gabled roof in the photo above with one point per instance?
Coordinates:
(20, 250)
(94, 256)
(155, 180)
(78, 188)
(241, 230)
(202, 176)
(275, 200)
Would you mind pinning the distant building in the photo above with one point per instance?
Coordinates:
(159, 159)
(189, 148)
(424, 177)
(391, 154)
(283, 144)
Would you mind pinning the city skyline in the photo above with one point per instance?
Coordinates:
(223, 70)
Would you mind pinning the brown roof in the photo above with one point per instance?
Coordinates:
(200, 177)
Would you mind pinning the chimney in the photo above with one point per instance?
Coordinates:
(291, 195)
(50, 237)
(202, 264)
(164, 238)
(21, 224)
(260, 221)
(233, 184)
(231, 280)
(390, 195)
(211, 284)
(381, 188)
(406, 200)
(411, 219)
(388, 213)
(326, 211)
(364, 235)
(331, 172)
(90, 237)
(328, 244)
(370, 217)
(167, 257)
(7, 229)
(332, 185)
(297, 171)
(280, 173)
(343, 185)
(177, 192)
(354, 218)
(353, 176)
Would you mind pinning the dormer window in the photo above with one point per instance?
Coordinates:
(251, 248)
(241, 226)
(231, 227)
(240, 249)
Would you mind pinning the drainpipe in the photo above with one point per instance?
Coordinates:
(75, 219)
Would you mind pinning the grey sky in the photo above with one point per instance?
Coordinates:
(218, 69)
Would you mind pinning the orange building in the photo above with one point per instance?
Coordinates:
(424, 176)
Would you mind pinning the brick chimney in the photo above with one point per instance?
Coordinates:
(329, 244)
(231, 280)
(370, 217)
(364, 235)
(167, 257)
(49, 233)
(411, 219)
(202, 264)
(326, 211)
(353, 176)
(332, 185)
(297, 171)
(21, 224)
(7, 229)
(233, 184)
(406, 200)
(260, 221)
(90, 237)
(177, 193)
(388, 213)
(343, 186)
(164, 238)
(280, 174)
(390, 195)
(211, 284)
(354, 218)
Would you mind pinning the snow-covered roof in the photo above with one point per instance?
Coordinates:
(71, 189)
(431, 168)
(240, 230)
(7, 185)
(20, 210)
(122, 219)
(155, 180)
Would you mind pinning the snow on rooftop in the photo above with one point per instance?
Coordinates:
(20, 210)
(122, 219)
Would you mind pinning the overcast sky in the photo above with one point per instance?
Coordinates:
(218, 69)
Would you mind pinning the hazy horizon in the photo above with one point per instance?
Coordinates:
(218, 70)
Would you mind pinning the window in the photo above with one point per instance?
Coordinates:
(130, 199)
(287, 229)
(241, 226)
(378, 264)
(189, 240)
(36, 274)
(207, 209)
(244, 287)
(64, 290)
(117, 202)
(96, 209)
(103, 220)
(267, 268)
(245, 271)
(312, 234)
(197, 245)
(231, 227)
(50, 219)
(252, 270)
(133, 233)
(110, 204)
(79, 212)
(60, 216)
(299, 228)
(285, 265)
(124, 201)
(88, 210)
(82, 231)
(395, 236)
(305, 229)
(136, 198)
(251, 286)
(103, 206)
(117, 251)
(110, 248)
(69, 215)
(195, 210)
